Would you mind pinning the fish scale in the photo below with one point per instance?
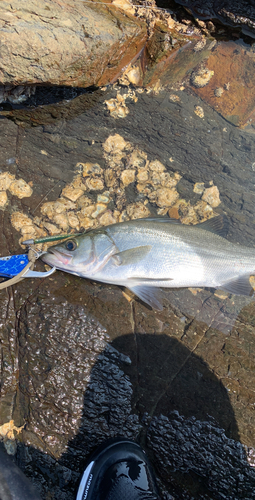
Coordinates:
(146, 254)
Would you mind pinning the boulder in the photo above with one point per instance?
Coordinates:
(62, 42)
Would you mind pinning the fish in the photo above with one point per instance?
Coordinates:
(145, 255)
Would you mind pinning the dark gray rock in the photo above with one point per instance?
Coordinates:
(239, 14)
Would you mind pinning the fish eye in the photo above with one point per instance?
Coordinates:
(71, 245)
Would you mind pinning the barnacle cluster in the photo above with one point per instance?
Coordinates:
(99, 196)
(117, 105)
(201, 77)
(218, 91)
(200, 45)
(131, 75)
(16, 94)
(198, 110)
(16, 187)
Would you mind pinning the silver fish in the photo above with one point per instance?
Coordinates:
(146, 254)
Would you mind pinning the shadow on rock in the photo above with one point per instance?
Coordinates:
(50, 104)
(153, 389)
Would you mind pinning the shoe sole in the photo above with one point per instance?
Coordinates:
(110, 452)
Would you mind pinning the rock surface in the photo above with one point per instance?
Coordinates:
(79, 362)
(66, 42)
(234, 13)
(230, 90)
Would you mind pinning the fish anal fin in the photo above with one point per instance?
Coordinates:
(217, 225)
(148, 294)
(239, 286)
(131, 256)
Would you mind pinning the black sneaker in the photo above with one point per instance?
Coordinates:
(118, 470)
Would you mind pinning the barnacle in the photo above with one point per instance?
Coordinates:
(201, 77)
(86, 201)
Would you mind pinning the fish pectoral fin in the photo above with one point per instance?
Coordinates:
(239, 286)
(131, 256)
(148, 294)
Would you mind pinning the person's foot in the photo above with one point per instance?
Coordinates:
(118, 470)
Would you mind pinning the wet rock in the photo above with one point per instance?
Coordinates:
(48, 113)
(158, 187)
(196, 357)
(65, 47)
(83, 342)
(10, 446)
(176, 64)
(178, 443)
(232, 13)
(166, 409)
(229, 91)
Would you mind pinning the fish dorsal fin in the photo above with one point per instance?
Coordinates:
(131, 256)
(148, 294)
(239, 286)
(159, 219)
(217, 225)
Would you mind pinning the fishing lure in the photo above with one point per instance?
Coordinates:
(14, 264)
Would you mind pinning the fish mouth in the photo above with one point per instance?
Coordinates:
(63, 257)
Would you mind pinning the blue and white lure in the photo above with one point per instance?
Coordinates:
(13, 265)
